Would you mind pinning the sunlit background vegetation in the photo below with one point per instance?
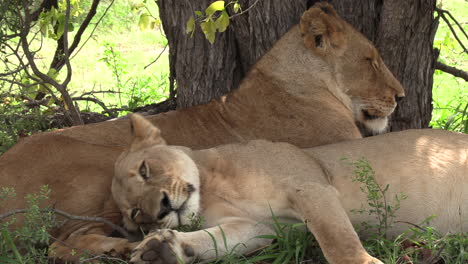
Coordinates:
(450, 94)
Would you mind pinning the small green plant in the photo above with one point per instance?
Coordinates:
(133, 91)
(378, 205)
(420, 242)
(31, 237)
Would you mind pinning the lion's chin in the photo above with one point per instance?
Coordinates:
(376, 125)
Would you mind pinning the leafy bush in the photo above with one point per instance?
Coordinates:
(31, 238)
(17, 120)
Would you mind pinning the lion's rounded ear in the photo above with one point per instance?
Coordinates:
(323, 30)
(144, 133)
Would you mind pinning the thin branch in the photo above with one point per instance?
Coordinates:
(245, 11)
(95, 92)
(415, 225)
(58, 62)
(452, 70)
(11, 72)
(454, 20)
(442, 15)
(92, 31)
(96, 101)
(157, 58)
(119, 229)
(65, 45)
(16, 82)
(31, 103)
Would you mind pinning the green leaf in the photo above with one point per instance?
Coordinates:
(52, 73)
(144, 21)
(190, 27)
(209, 29)
(44, 28)
(236, 7)
(222, 22)
(71, 27)
(215, 6)
(199, 13)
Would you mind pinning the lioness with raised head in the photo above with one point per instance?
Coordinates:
(314, 84)
(234, 188)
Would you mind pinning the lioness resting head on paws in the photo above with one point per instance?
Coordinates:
(234, 187)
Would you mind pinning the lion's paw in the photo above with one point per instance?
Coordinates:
(162, 247)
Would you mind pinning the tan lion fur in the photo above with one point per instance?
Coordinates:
(297, 92)
(236, 188)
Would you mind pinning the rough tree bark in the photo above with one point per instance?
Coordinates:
(403, 31)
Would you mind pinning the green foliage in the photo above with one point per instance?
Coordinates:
(377, 203)
(17, 121)
(31, 238)
(52, 22)
(133, 91)
(450, 94)
(420, 243)
(214, 19)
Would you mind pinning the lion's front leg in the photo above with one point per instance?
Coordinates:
(321, 209)
(169, 246)
(72, 249)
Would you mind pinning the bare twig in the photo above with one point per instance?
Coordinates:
(244, 11)
(119, 229)
(157, 58)
(92, 31)
(454, 20)
(58, 61)
(95, 92)
(12, 72)
(442, 13)
(96, 101)
(65, 45)
(452, 70)
(415, 225)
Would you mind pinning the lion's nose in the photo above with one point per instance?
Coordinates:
(398, 98)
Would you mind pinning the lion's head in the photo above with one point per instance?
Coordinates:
(155, 185)
(369, 87)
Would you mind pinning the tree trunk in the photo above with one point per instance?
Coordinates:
(204, 71)
(403, 32)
